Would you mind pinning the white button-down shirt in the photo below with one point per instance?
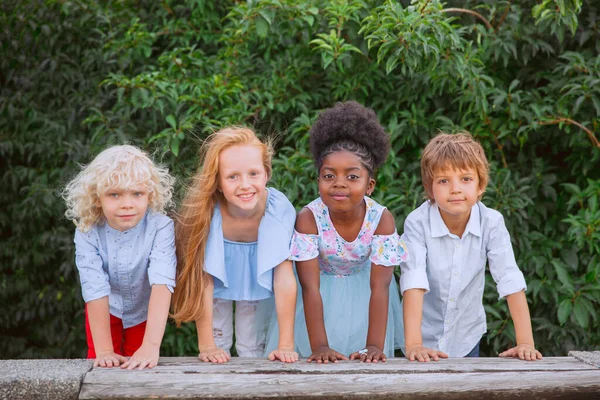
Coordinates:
(452, 272)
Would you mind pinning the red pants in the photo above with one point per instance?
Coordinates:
(125, 341)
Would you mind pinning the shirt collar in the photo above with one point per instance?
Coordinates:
(438, 228)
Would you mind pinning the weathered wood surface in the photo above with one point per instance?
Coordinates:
(457, 378)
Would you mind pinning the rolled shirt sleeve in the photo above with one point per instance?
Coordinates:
(163, 260)
(501, 258)
(414, 268)
(94, 279)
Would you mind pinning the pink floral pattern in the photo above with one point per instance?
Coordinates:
(339, 257)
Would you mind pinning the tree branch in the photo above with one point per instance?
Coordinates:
(475, 13)
(502, 18)
(569, 121)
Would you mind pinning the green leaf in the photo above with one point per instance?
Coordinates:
(581, 314)
(564, 310)
(171, 121)
(262, 27)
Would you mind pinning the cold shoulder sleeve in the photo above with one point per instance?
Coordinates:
(304, 246)
(388, 250)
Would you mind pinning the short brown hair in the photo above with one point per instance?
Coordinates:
(458, 150)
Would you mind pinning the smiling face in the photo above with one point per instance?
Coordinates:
(242, 178)
(455, 191)
(344, 181)
(124, 208)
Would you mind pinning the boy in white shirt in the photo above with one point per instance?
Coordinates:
(450, 237)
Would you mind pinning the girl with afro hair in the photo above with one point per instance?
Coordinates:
(345, 246)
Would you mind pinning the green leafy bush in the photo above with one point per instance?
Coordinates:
(523, 78)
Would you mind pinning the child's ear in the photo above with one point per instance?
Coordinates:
(370, 186)
(480, 192)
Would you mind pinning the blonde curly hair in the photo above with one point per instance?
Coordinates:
(122, 167)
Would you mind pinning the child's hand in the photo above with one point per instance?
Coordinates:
(108, 359)
(213, 354)
(524, 351)
(284, 354)
(423, 354)
(145, 356)
(369, 354)
(324, 354)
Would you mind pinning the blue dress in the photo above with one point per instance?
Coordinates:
(345, 282)
(244, 271)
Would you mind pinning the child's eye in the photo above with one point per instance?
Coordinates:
(467, 179)
(328, 176)
(254, 173)
(443, 181)
(232, 176)
(114, 195)
(137, 194)
(353, 177)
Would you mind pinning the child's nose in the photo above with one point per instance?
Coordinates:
(244, 181)
(455, 186)
(127, 201)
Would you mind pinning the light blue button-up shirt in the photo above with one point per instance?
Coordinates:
(124, 265)
(452, 272)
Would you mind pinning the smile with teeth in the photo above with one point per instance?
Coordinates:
(246, 196)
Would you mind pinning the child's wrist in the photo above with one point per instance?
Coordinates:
(285, 346)
(204, 347)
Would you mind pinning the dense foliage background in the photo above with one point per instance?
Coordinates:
(523, 77)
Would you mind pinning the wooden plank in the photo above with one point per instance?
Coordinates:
(397, 365)
(465, 378)
(498, 385)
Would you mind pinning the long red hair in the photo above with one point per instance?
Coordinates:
(193, 220)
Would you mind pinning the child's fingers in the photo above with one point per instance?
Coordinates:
(133, 364)
(144, 364)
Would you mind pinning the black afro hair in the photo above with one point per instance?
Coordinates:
(349, 122)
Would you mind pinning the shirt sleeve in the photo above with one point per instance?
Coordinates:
(94, 280)
(388, 250)
(163, 261)
(304, 246)
(414, 269)
(503, 266)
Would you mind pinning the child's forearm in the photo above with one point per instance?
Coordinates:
(378, 305)
(310, 279)
(519, 311)
(204, 326)
(412, 307)
(313, 314)
(378, 317)
(158, 312)
(286, 291)
(99, 319)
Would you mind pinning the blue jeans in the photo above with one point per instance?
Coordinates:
(475, 351)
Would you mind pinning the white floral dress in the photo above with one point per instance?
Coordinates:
(345, 281)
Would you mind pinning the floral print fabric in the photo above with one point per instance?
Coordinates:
(337, 256)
